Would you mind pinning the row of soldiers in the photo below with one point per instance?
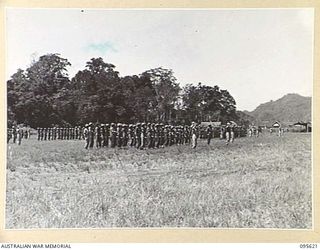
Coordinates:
(16, 133)
(140, 135)
(58, 133)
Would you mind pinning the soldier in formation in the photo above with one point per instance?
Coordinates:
(17, 133)
(139, 135)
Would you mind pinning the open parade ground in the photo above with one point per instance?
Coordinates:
(263, 182)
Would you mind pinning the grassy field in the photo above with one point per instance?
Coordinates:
(260, 182)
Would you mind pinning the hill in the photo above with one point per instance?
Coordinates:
(287, 109)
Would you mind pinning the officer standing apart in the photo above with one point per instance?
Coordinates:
(194, 134)
(228, 132)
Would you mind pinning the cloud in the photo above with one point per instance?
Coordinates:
(102, 48)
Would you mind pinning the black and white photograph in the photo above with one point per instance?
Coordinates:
(159, 118)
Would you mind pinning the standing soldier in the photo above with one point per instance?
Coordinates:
(259, 131)
(49, 134)
(14, 134)
(232, 128)
(19, 133)
(60, 133)
(45, 133)
(250, 131)
(103, 134)
(68, 133)
(98, 136)
(24, 133)
(113, 135)
(166, 136)
(81, 133)
(281, 130)
(143, 135)
(125, 135)
(65, 133)
(28, 132)
(119, 135)
(209, 133)
(153, 135)
(106, 140)
(9, 134)
(157, 136)
(161, 132)
(138, 135)
(149, 135)
(71, 132)
(39, 133)
(185, 134)
(172, 135)
(131, 135)
(222, 132)
(76, 132)
(194, 133)
(228, 132)
(91, 135)
(176, 135)
(86, 135)
(54, 133)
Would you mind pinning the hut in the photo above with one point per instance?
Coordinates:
(276, 125)
(302, 127)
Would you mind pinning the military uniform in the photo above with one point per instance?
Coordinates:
(14, 134)
(113, 135)
(125, 135)
(39, 133)
(91, 135)
(132, 135)
(138, 135)
(149, 133)
(209, 134)
(49, 134)
(107, 135)
(86, 135)
(98, 136)
(143, 136)
(195, 134)
(9, 134)
(228, 133)
(119, 135)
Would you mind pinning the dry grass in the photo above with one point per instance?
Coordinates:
(260, 182)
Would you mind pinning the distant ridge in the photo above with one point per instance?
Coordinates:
(287, 109)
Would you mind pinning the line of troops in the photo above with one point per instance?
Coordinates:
(16, 133)
(139, 135)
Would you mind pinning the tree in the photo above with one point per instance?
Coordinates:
(166, 92)
(98, 93)
(206, 103)
(32, 94)
(140, 99)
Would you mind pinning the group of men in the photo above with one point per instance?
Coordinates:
(60, 133)
(139, 135)
(16, 133)
(254, 131)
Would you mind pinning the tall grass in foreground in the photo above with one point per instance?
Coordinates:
(260, 182)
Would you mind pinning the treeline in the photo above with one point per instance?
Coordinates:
(43, 95)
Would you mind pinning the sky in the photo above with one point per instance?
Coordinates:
(258, 55)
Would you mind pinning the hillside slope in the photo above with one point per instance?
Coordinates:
(289, 108)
